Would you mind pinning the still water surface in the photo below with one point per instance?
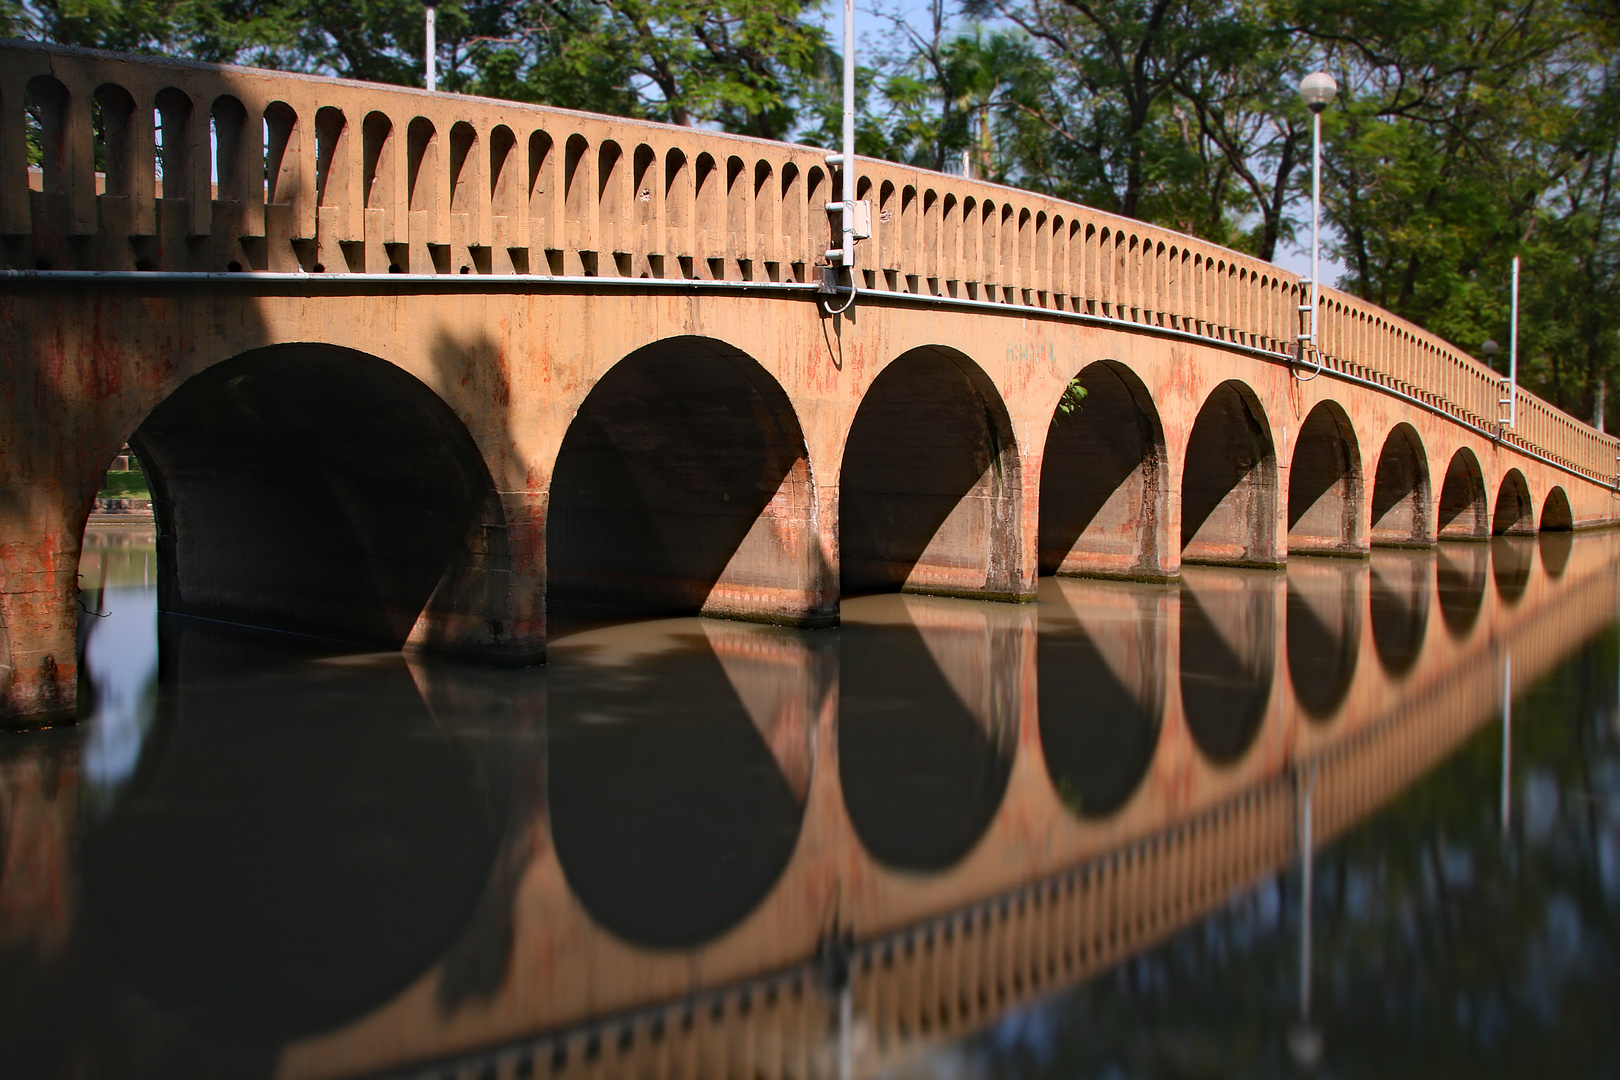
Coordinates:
(1258, 824)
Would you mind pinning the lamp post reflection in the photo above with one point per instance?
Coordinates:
(1305, 1039)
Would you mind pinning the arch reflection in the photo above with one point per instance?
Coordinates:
(1511, 560)
(677, 766)
(301, 838)
(1102, 660)
(1325, 600)
(1556, 544)
(1460, 576)
(1399, 604)
(1228, 649)
(929, 695)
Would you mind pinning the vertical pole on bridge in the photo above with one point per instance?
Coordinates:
(1317, 90)
(432, 47)
(1513, 352)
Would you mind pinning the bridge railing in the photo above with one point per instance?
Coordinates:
(155, 164)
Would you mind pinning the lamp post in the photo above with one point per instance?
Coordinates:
(431, 11)
(1317, 90)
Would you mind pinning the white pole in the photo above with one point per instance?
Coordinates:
(432, 47)
(849, 134)
(1316, 217)
(1513, 352)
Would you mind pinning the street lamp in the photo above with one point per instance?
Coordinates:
(1490, 349)
(432, 11)
(1317, 90)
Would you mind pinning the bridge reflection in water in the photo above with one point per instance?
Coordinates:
(693, 848)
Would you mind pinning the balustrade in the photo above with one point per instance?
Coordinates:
(329, 176)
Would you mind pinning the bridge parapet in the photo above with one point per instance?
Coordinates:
(161, 165)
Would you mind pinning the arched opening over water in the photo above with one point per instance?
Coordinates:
(683, 485)
(1515, 514)
(1399, 604)
(1103, 480)
(1512, 557)
(1229, 483)
(678, 761)
(1460, 576)
(1102, 665)
(1325, 602)
(929, 695)
(930, 488)
(1228, 658)
(1556, 515)
(1324, 484)
(1462, 512)
(323, 491)
(1400, 501)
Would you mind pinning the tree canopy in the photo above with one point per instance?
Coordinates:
(1465, 132)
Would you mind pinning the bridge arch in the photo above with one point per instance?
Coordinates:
(930, 485)
(1229, 482)
(321, 490)
(1515, 513)
(683, 485)
(1103, 506)
(1400, 500)
(1462, 513)
(1556, 515)
(1324, 484)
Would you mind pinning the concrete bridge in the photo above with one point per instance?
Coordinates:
(1347, 678)
(404, 366)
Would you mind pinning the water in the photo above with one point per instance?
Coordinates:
(949, 839)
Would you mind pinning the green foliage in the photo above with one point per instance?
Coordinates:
(1465, 132)
(121, 484)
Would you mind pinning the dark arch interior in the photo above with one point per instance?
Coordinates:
(928, 492)
(318, 490)
(1227, 642)
(670, 462)
(671, 818)
(1100, 721)
(299, 841)
(1461, 514)
(1461, 573)
(922, 772)
(1324, 635)
(1399, 602)
(1324, 483)
(1102, 478)
(1228, 486)
(1514, 513)
(1400, 490)
(1556, 515)
(1511, 559)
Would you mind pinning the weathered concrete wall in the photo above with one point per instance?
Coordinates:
(514, 366)
(472, 271)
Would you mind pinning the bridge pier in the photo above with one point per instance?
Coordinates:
(39, 561)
